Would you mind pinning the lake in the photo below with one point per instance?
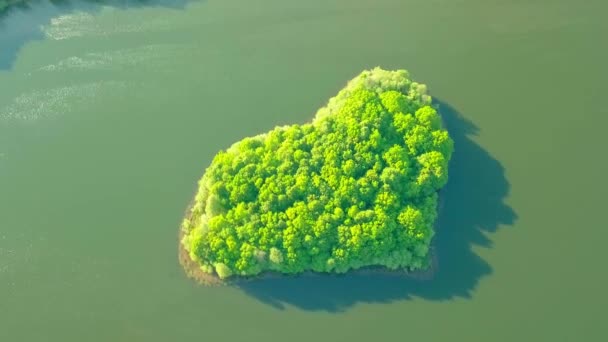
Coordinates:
(111, 111)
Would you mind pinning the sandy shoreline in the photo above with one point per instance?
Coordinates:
(194, 271)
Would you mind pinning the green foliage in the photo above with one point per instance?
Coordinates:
(222, 270)
(355, 187)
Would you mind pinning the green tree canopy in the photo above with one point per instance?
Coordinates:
(355, 187)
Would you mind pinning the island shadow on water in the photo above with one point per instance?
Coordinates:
(22, 21)
(473, 205)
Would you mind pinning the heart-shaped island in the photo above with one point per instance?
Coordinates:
(355, 188)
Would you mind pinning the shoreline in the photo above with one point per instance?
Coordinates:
(193, 270)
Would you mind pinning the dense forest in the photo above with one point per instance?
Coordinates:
(358, 186)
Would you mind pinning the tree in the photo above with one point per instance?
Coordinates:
(355, 187)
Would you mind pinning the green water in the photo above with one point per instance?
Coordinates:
(110, 114)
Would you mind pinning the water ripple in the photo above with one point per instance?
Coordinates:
(83, 24)
(48, 103)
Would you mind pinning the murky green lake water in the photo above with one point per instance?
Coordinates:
(110, 114)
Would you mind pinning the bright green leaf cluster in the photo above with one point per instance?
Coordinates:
(356, 187)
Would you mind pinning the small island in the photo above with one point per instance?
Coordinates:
(356, 188)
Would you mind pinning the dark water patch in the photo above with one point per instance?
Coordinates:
(473, 204)
(21, 21)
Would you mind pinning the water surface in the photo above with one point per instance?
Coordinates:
(109, 113)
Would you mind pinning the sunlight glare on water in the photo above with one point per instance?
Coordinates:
(54, 102)
(82, 24)
(156, 55)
